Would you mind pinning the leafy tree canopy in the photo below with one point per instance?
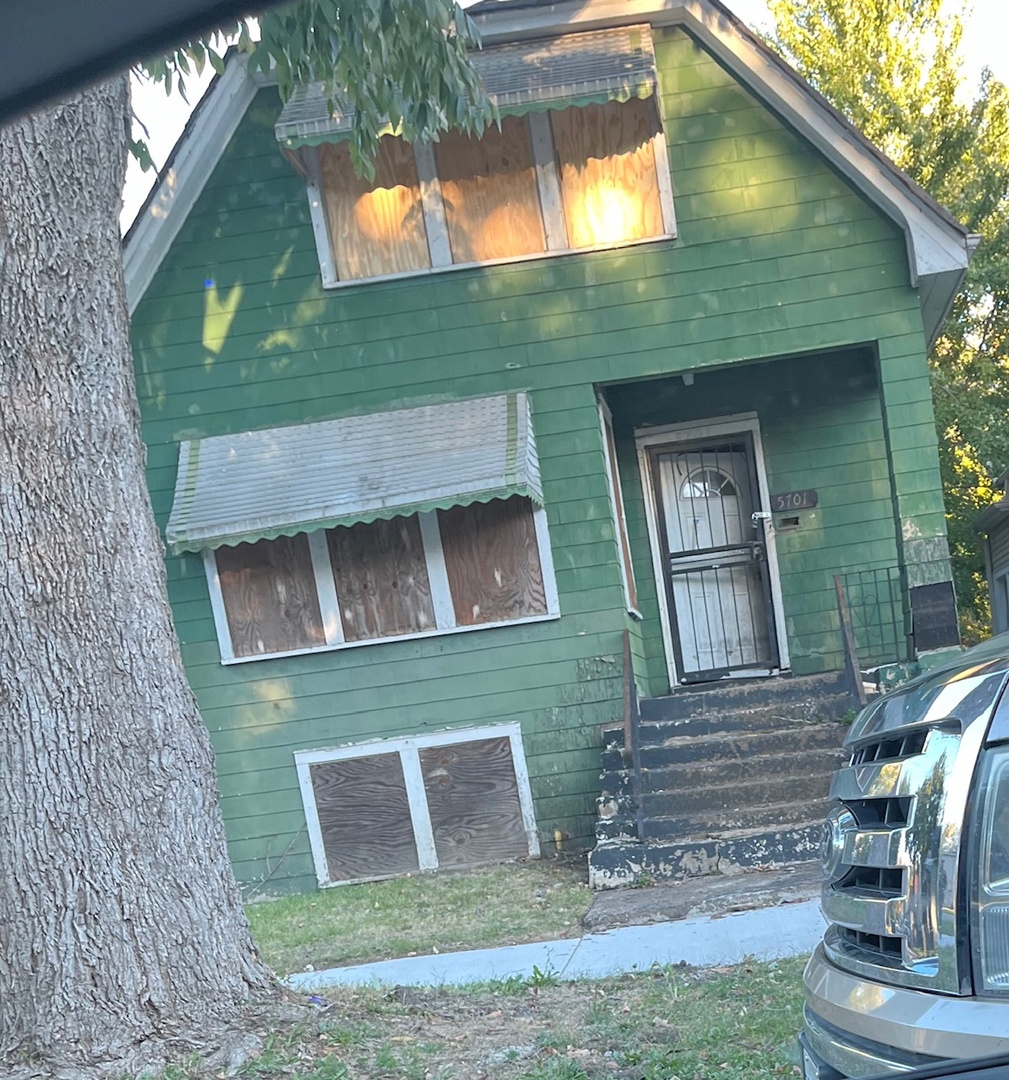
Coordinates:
(895, 69)
(400, 64)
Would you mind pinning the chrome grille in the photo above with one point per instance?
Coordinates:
(881, 895)
(872, 943)
(870, 813)
(890, 749)
(874, 880)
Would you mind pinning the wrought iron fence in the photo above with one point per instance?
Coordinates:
(876, 605)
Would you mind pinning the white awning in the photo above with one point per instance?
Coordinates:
(526, 76)
(258, 485)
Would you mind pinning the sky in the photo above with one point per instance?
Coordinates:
(985, 33)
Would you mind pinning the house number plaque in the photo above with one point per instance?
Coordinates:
(794, 500)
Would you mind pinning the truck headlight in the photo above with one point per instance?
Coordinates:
(991, 913)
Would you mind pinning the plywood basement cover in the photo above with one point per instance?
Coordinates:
(420, 807)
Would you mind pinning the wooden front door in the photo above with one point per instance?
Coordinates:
(714, 558)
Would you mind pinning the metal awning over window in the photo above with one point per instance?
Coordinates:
(259, 485)
(528, 76)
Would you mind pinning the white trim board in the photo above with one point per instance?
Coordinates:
(688, 432)
(408, 748)
(196, 155)
(938, 249)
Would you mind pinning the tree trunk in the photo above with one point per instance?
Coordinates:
(122, 935)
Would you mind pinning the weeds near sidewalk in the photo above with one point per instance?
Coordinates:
(676, 1023)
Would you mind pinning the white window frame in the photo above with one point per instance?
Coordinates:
(409, 754)
(441, 598)
(432, 203)
(618, 509)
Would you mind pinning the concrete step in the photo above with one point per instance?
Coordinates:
(728, 746)
(619, 863)
(769, 790)
(689, 775)
(706, 825)
(795, 739)
(826, 696)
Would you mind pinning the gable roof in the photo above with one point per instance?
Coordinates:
(938, 247)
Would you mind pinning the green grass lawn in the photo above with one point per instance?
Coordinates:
(497, 905)
(735, 1023)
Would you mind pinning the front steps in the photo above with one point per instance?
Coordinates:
(733, 776)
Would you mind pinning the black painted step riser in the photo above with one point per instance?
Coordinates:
(803, 692)
(618, 864)
(615, 760)
(684, 826)
(745, 745)
(736, 797)
(616, 830)
(615, 784)
(782, 768)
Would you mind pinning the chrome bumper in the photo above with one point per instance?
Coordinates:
(863, 1028)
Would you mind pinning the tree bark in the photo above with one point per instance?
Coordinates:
(122, 935)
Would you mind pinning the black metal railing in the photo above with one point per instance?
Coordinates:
(875, 602)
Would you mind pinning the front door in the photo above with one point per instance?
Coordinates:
(714, 557)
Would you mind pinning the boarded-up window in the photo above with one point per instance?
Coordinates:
(375, 227)
(270, 597)
(608, 180)
(579, 177)
(364, 817)
(492, 561)
(473, 801)
(381, 579)
(488, 186)
(443, 800)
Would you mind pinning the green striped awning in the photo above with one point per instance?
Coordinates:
(528, 76)
(258, 485)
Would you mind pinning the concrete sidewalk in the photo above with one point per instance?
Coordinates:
(769, 933)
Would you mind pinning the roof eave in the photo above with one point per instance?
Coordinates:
(938, 247)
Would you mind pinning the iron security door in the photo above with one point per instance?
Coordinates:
(714, 556)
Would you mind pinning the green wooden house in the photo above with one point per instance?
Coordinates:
(455, 464)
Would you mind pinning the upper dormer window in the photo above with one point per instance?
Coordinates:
(578, 162)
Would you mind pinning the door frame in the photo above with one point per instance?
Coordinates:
(689, 431)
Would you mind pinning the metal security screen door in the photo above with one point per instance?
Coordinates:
(714, 556)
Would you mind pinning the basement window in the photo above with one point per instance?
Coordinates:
(398, 806)
(326, 536)
(578, 162)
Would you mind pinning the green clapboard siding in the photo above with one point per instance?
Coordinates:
(776, 257)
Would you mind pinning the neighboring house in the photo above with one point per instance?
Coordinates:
(647, 362)
(993, 524)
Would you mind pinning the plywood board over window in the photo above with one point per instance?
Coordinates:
(473, 800)
(364, 817)
(609, 185)
(492, 561)
(375, 227)
(488, 187)
(269, 596)
(381, 579)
